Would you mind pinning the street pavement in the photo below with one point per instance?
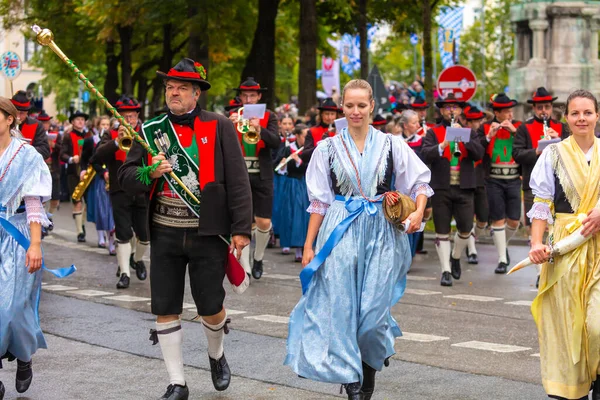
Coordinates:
(475, 340)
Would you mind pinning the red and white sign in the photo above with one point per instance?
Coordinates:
(330, 75)
(458, 80)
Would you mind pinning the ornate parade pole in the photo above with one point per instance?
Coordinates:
(45, 37)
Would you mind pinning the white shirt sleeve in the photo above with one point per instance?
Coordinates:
(542, 186)
(40, 183)
(318, 180)
(411, 175)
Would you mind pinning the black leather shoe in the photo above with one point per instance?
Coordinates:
(24, 376)
(501, 268)
(176, 392)
(123, 282)
(368, 386)
(140, 270)
(2, 390)
(81, 238)
(596, 390)
(446, 279)
(472, 258)
(455, 267)
(353, 391)
(257, 269)
(220, 373)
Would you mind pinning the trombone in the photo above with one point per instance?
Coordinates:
(249, 133)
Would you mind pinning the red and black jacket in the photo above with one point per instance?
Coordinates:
(313, 137)
(109, 154)
(526, 142)
(71, 148)
(34, 132)
(226, 201)
(486, 162)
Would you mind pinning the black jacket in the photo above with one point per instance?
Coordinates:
(226, 203)
(440, 166)
(105, 154)
(66, 152)
(35, 130)
(269, 135)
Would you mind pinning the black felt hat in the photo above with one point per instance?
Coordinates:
(234, 104)
(250, 85)
(541, 95)
(419, 104)
(21, 101)
(78, 114)
(472, 113)
(379, 120)
(501, 101)
(328, 105)
(450, 99)
(126, 103)
(187, 70)
(43, 117)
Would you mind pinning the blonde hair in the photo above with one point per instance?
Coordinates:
(358, 84)
(100, 119)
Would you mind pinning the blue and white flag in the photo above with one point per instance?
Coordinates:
(349, 50)
(450, 21)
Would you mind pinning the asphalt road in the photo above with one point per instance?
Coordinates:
(475, 340)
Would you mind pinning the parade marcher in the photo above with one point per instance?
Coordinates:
(25, 183)
(293, 202)
(286, 129)
(503, 181)
(259, 162)
(70, 153)
(379, 123)
(525, 147)
(420, 106)
(454, 184)
(130, 212)
(472, 117)
(564, 182)
(328, 113)
(202, 149)
(341, 330)
(31, 130)
(54, 142)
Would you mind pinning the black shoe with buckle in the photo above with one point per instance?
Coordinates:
(446, 279)
(176, 392)
(140, 270)
(368, 386)
(24, 376)
(257, 269)
(220, 373)
(81, 237)
(353, 391)
(472, 258)
(501, 268)
(455, 267)
(123, 282)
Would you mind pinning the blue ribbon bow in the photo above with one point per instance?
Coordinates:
(355, 207)
(24, 242)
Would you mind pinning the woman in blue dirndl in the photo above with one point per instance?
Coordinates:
(25, 182)
(341, 330)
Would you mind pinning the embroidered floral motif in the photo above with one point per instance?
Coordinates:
(191, 181)
(174, 163)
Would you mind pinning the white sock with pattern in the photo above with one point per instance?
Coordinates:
(123, 254)
(170, 345)
(262, 240)
(499, 236)
(443, 250)
(215, 335)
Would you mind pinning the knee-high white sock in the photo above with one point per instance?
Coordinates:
(170, 344)
(442, 246)
(101, 237)
(132, 243)
(262, 239)
(215, 335)
(245, 259)
(471, 245)
(460, 243)
(499, 235)
(140, 250)
(123, 254)
(479, 231)
(78, 217)
(510, 232)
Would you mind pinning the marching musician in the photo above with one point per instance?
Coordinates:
(420, 106)
(70, 153)
(454, 185)
(31, 129)
(328, 113)
(503, 181)
(203, 151)
(53, 162)
(472, 117)
(130, 212)
(259, 163)
(525, 147)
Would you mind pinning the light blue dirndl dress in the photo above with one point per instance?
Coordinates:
(27, 176)
(343, 317)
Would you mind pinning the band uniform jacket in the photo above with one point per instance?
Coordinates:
(33, 131)
(525, 144)
(440, 166)
(226, 202)
(486, 163)
(313, 137)
(67, 151)
(109, 154)
(87, 153)
(54, 160)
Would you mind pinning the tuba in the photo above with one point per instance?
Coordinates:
(82, 186)
(249, 134)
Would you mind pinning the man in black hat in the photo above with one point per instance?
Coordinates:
(420, 106)
(525, 147)
(70, 153)
(503, 181)
(328, 113)
(454, 184)
(259, 162)
(379, 123)
(202, 149)
(31, 129)
(130, 212)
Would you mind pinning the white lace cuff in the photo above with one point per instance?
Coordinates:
(421, 188)
(541, 211)
(317, 207)
(35, 211)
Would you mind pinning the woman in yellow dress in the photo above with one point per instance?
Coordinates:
(565, 182)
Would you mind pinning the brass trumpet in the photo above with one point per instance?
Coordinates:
(249, 133)
(125, 142)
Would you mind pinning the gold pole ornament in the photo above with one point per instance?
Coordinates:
(45, 37)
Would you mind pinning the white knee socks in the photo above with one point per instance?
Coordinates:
(140, 250)
(170, 343)
(442, 246)
(215, 335)
(459, 245)
(123, 254)
(499, 235)
(262, 239)
(471, 245)
(78, 217)
(480, 231)
(510, 232)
